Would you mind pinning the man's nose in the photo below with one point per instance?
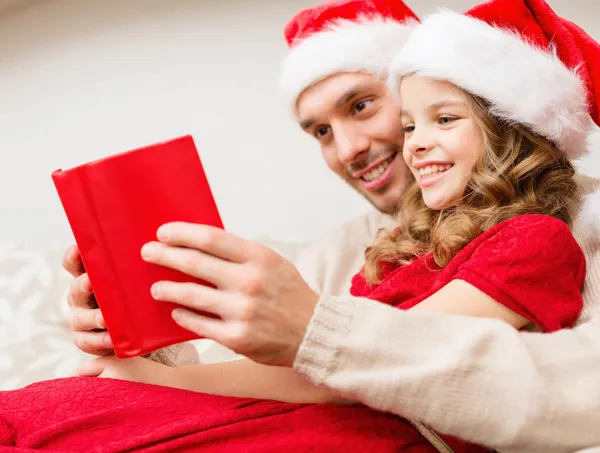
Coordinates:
(350, 143)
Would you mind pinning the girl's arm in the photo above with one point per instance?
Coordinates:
(240, 378)
(461, 298)
(247, 379)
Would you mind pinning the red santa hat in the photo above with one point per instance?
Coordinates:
(342, 36)
(534, 67)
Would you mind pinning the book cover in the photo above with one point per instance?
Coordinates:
(114, 206)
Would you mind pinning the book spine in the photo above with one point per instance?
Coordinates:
(78, 201)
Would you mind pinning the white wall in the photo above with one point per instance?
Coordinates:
(82, 79)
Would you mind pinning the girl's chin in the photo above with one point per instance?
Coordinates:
(438, 205)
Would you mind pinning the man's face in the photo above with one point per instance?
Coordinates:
(357, 123)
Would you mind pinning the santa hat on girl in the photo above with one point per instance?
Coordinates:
(534, 67)
(342, 36)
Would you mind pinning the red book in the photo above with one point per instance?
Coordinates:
(114, 206)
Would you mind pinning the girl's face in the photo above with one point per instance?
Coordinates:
(442, 141)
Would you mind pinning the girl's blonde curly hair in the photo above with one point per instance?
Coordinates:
(518, 173)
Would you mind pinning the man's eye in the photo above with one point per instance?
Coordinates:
(321, 131)
(360, 106)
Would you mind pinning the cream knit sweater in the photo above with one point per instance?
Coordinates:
(477, 379)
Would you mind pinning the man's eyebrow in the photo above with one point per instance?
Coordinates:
(306, 123)
(351, 93)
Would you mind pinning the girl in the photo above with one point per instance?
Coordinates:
(483, 232)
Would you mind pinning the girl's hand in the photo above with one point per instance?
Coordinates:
(137, 370)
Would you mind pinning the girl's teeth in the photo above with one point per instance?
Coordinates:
(432, 170)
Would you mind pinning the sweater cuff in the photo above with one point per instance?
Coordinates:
(175, 355)
(318, 351)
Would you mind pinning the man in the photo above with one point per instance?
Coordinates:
(478, 379)
(365, 144)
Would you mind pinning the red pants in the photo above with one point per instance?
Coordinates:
(106, 415)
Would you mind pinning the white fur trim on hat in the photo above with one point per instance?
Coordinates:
(524, 83)
(368, 45)
(589, 216)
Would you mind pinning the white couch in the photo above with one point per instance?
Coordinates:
(34, 341)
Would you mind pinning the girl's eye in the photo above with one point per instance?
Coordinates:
(408, 129)
(446, 119)
(360, 106)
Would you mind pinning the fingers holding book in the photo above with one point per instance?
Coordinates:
(209, 239)
(262, 304)
(85, 321)
(72, 262)
(190, 261)
(200, 298)
(88, 330)
(82, 319)
(94, 343)
(80, 293)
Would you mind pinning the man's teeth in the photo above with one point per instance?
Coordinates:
(432, 170)
(376, 172)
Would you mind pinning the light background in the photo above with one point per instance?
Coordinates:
(82, 79)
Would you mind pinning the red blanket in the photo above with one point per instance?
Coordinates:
(105, 415)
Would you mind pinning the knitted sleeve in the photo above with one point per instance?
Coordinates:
(477, 379)
(175, 355)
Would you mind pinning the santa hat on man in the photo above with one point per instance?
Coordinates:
(342, 36)
(534, 67)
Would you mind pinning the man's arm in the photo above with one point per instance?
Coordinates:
(477, 379)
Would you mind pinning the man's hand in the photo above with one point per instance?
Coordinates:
(137, 370)
(85, 319)
(262, 303)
